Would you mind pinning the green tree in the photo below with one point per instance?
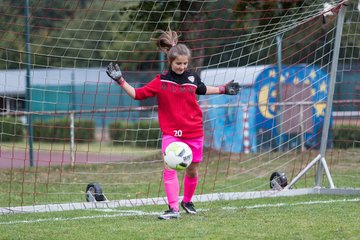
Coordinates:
(44, 15)
(196, 21)
(220, 33)
(304, 41)
(350, 37)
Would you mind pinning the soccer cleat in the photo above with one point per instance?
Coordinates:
(188, 207)
(169, 214)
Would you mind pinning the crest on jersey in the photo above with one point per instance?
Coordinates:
(191, 78)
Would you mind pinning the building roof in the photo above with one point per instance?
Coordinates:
(245, 76)
(14, 81)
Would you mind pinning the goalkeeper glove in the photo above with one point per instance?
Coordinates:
(114, 73)
(230, 88)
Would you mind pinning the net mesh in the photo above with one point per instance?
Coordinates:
(64, 124)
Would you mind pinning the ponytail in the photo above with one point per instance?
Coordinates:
(167, 40)
(168, 43)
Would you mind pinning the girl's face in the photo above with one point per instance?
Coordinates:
(180, 64)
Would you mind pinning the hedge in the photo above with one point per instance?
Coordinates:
(11, 129)
(58, 130)
(346, 136)
(144, 133)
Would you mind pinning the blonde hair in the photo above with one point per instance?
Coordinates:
(168, 43)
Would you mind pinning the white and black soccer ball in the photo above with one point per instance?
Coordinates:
(178, 155)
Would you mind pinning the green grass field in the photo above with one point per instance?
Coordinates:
(302, 217)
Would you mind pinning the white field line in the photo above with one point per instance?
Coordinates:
(162, 200)
(125, 213)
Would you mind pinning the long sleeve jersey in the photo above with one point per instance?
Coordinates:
(178, 110)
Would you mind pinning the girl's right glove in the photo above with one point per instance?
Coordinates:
(114, 73)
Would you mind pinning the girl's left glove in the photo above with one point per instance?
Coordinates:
(230, 88)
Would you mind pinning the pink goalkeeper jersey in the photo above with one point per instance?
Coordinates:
(178, 110)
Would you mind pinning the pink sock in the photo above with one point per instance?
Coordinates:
(189, 187)
(171, 183)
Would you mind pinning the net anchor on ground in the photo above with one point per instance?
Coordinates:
(94, 193)
(278, 181)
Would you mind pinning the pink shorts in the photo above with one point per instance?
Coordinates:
(196, 145)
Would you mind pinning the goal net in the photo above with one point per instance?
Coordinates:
(294, 126)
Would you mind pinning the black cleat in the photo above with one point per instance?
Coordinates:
(169, 214)
(188, 207)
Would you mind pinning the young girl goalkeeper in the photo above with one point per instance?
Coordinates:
(180, 116)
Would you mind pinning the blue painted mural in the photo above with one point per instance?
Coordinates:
(224, 126)
(250, 123)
